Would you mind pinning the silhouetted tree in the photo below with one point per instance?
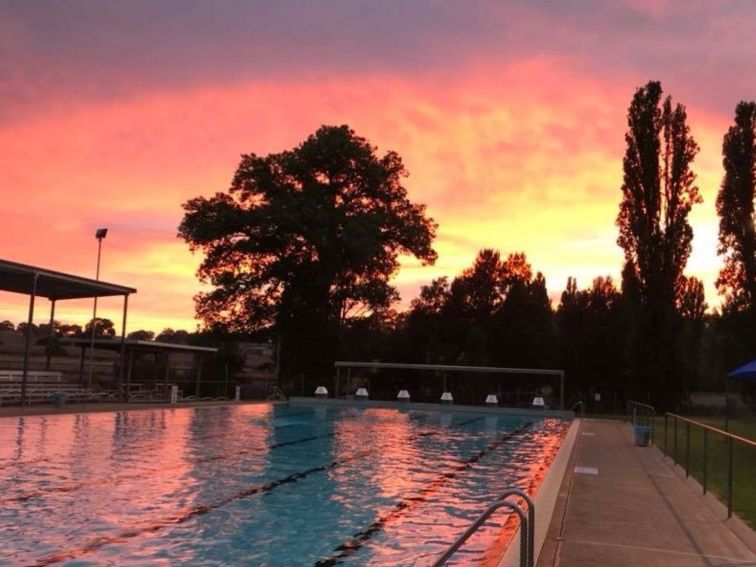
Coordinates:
(592, 336)
(737, 235)
(68, 330)
(141, 335)
(523, 329)
(104, 328)
(424, 329)
(658, 193)
(691, 304)
(691, 301)
(305, 239)
(22, 327)
(168, 335)
(7, 326)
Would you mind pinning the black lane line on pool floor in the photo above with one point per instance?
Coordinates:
(405, 505)
(15, 463)
(202, 510)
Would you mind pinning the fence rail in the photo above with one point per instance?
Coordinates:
(730, 439)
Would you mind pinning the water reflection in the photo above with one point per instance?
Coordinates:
(257, 484)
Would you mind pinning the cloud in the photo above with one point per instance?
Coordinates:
(509, 117)
(58, 56)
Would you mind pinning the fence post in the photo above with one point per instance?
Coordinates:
(705, 451)
(729, 477)
(675, 443)
(687, 449)
(665, 434)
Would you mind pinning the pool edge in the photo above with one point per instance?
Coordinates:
(562, 414)
(544, 500)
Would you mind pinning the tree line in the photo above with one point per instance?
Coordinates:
(301, 249)
(303, 245)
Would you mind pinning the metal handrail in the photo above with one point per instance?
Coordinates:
(745, 440)
(527, 528)
(642, 405)
(730, 437)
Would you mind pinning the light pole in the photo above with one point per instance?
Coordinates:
(100, 234)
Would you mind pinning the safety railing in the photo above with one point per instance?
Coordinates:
(730, 440)
(527, 527)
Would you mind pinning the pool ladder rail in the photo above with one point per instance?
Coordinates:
(527, 527)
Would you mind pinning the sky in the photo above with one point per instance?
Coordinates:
(509, 116)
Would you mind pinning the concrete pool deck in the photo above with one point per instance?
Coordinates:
(621, 505)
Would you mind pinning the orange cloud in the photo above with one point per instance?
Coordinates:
(516, 156)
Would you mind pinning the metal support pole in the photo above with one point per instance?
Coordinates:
(50, 335)
(687, 449)
(123, 350)
(130, 366)
(729, 477)
(336, 388)
(727, 404)
(199, 377)
(27, 342)
(561, 390)
(94, 318)
(81, 364)
(705, 456)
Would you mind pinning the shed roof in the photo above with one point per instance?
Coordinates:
(19, 278)
(114, 343)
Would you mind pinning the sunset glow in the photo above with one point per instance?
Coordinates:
(509, 117)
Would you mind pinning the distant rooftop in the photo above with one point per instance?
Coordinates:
(114, 343)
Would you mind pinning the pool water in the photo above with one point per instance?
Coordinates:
(283, 484)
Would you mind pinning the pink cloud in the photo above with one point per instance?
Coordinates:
(517, 156)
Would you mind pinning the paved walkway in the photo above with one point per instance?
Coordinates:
(630, 507)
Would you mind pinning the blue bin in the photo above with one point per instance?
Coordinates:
(642, 435)
(59, 399)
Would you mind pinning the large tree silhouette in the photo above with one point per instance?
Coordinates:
(305, 239)
(735, 205)
(658, 192)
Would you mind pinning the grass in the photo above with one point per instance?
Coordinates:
(744, 459)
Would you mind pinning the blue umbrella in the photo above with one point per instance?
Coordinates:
(746, 373)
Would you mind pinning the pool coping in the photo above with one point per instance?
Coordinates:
(562, 414)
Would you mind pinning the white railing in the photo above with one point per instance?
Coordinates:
(31, 376)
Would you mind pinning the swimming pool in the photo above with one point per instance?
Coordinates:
(283, 484)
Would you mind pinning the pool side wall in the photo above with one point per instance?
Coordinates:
(432, 407)
(544, 501)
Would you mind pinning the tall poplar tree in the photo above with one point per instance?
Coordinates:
(735, 205)
(658, 193)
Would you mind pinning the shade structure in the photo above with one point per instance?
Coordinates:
(746, 373)
(42, 282)
(55, 286)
